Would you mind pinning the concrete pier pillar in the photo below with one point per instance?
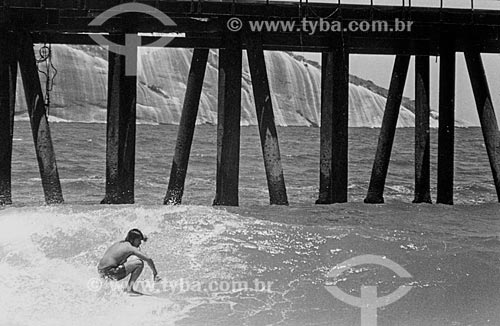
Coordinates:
(228, 122)
(265, 117)
(422, 131)
(186, 127)
(39, 123)
(333, 179)
(121, 129)
(486, 112)
(446, 121)
(8, 79)
(386, 138)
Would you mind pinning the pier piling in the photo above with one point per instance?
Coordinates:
(39, 122)
(8, 79)
(186, 127)
(446, 132)
(228, 122)
(422, 131)
(265, 117)
(334, 126)
(120, 136)
(326, 130)
(386, 138)
(486, 112)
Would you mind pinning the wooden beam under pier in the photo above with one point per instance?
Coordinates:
(8, 79)
(70, 17)
(411, 44)
(121, 129)
(422, 131)
(39, 122)
(265, 118)
(446, 121)
(186, 127)
(333, 180)
(486, 112)
(386, 138)
(228, 122)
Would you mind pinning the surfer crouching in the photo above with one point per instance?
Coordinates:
(116, 265)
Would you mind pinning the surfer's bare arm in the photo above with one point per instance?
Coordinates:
(148, 260)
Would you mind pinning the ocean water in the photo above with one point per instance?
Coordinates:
(255, 264)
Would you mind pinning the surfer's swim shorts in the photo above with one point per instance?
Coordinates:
(113, 272)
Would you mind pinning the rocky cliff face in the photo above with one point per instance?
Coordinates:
(79, 92)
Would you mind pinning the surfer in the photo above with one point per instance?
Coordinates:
(119, 261)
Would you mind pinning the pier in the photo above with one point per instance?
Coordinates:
(203, 25)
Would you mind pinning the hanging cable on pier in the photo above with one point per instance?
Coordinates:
(49, 71)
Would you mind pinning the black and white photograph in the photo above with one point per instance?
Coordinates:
(250, 162)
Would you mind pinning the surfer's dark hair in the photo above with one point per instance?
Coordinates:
(135, 234)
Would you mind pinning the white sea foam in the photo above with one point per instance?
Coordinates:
(49, 254)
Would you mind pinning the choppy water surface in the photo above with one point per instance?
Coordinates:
(48, 254)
